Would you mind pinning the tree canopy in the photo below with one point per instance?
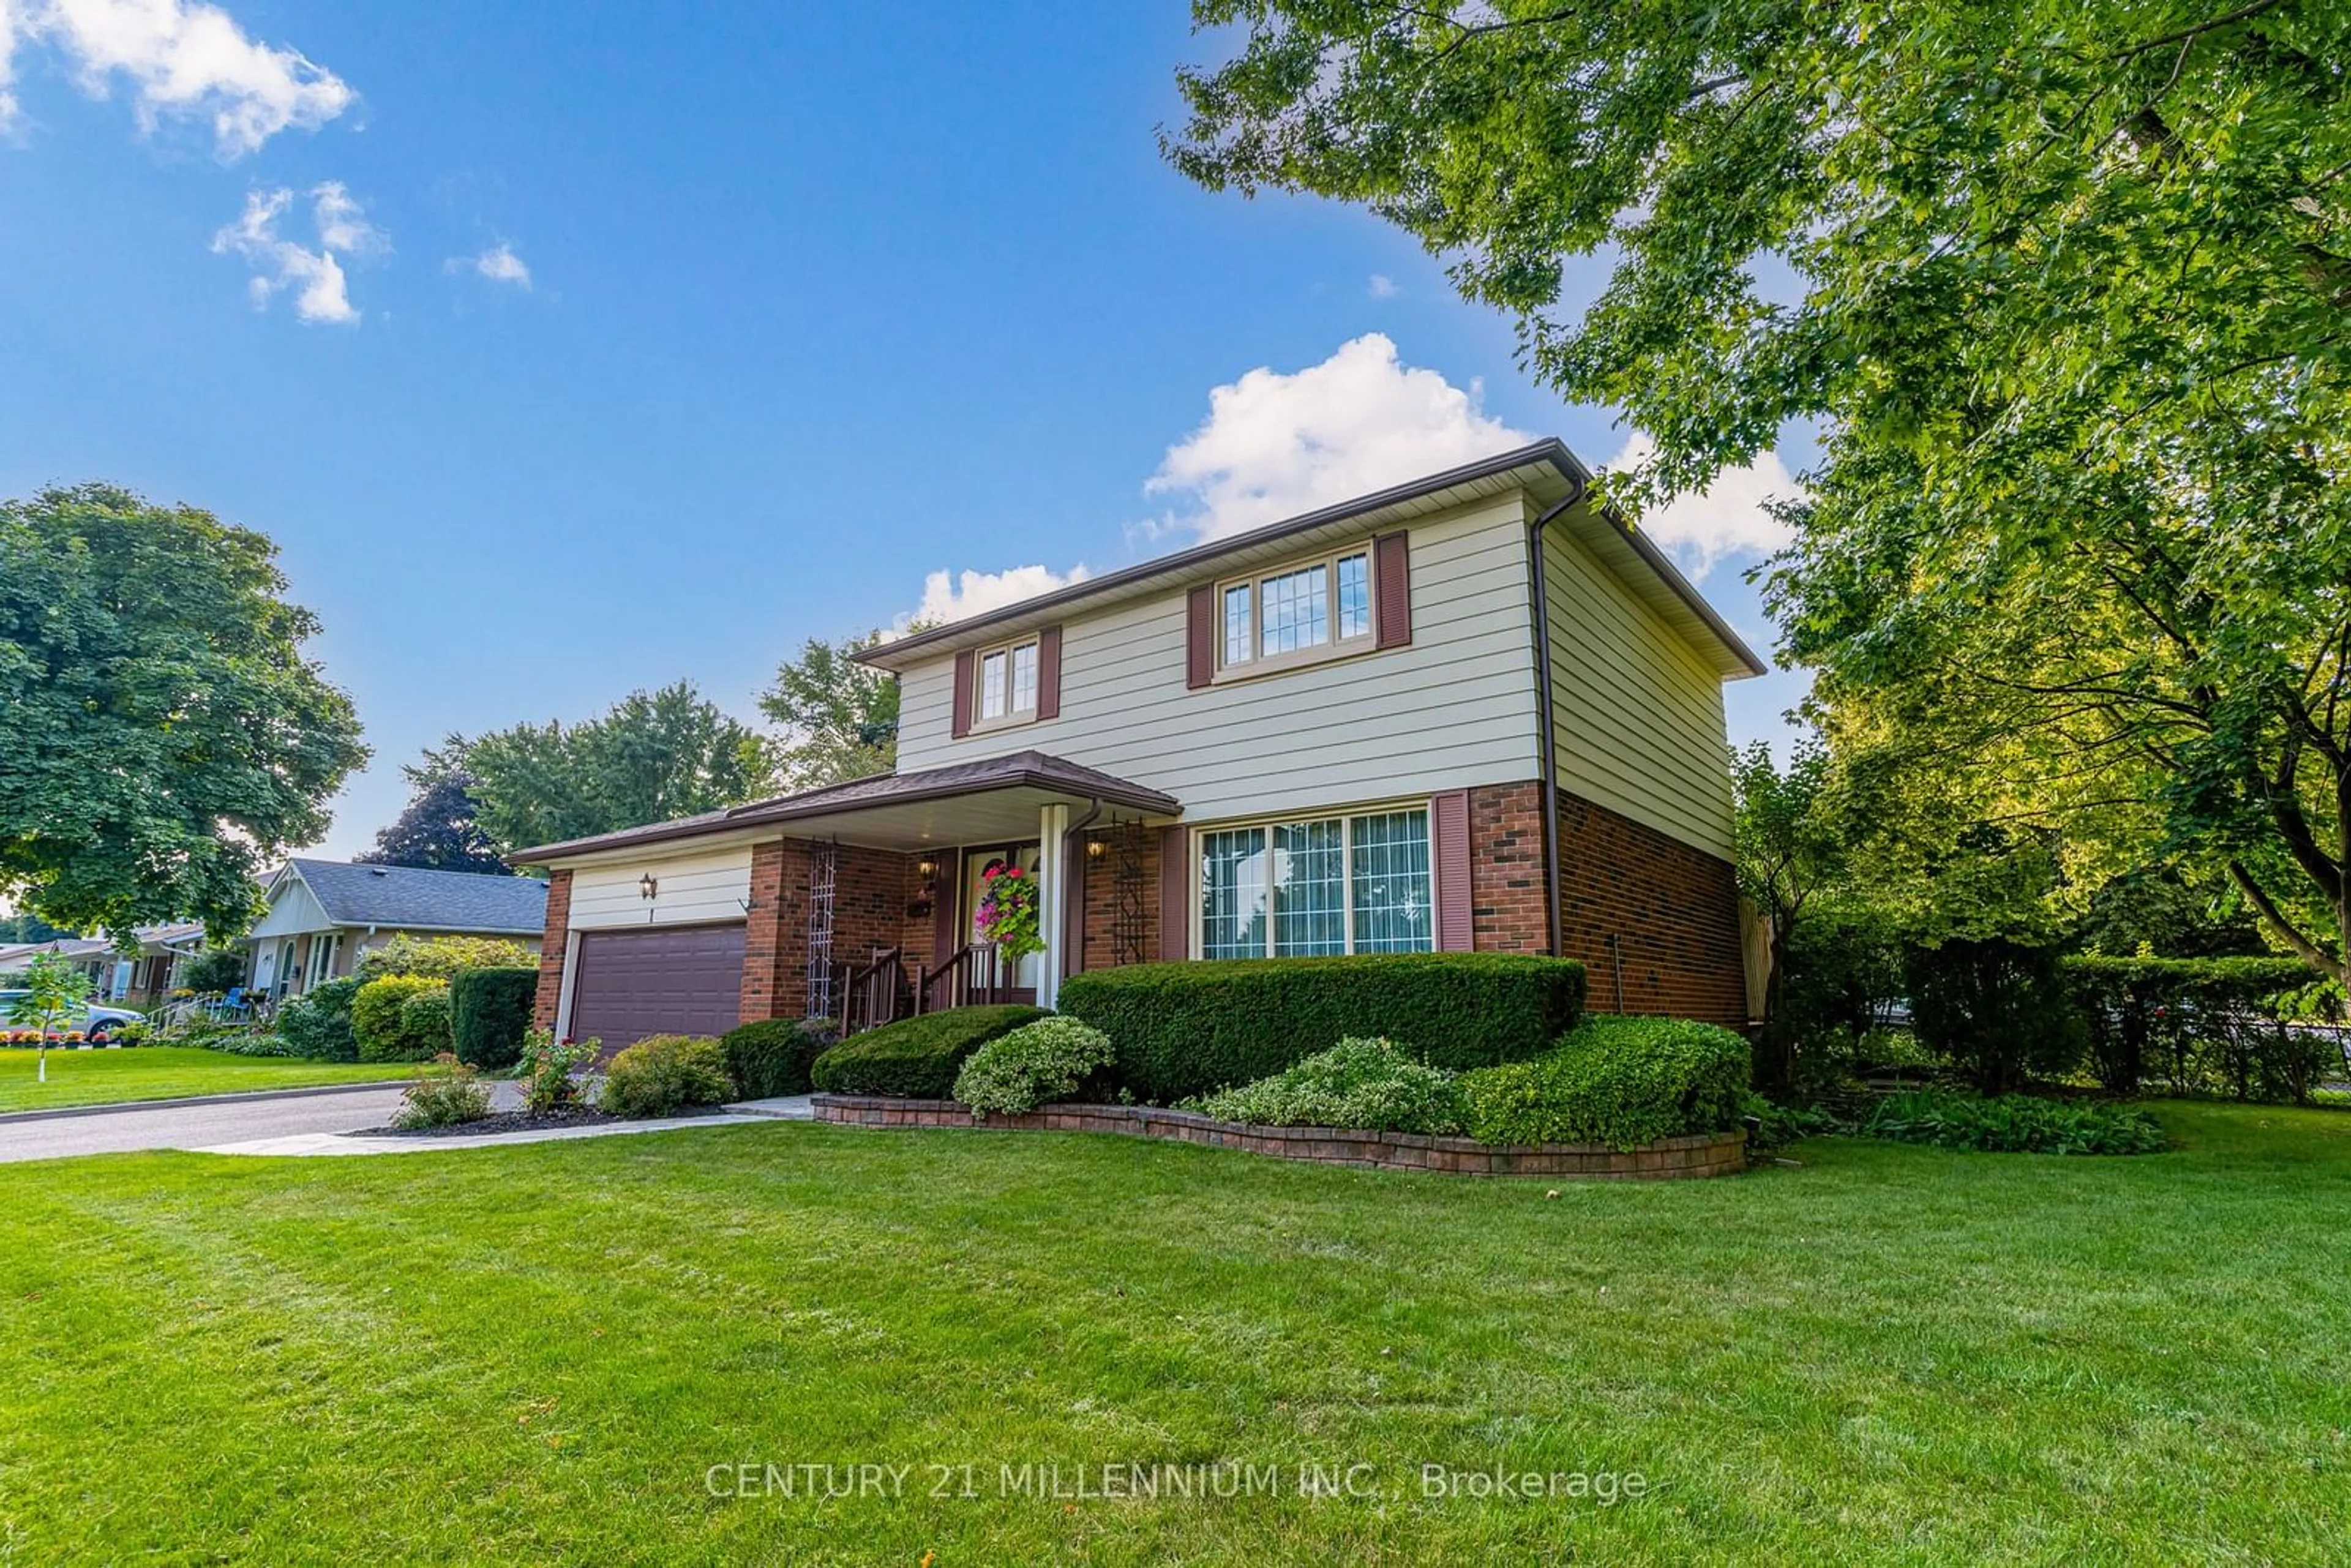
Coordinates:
(163, 736)
(2065, 282)
(839, 718)
(652, 757)
(440, 829)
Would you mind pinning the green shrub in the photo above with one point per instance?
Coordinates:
(215, 972)
(2201, 1025)
(318, 1023)
(244, 1041)
(545, 1067)
(662, 1074)
(1622, 1081)
(1191, 1028)
(773, 1056)
(1034, 1065)
(389, 1028)
(2011, 1124)
(916, 1057)
(440, 958)
(447, 1095)
(1372, 1083)
(490, 1010)
(1995, 1010)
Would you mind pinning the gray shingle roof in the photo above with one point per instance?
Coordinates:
(431, 900)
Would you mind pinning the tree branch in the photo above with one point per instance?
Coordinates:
(2308, 951)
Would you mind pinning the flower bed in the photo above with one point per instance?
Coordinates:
(1695, 1155)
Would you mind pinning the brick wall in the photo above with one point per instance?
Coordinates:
(1508, 910)
(1099, 947)
(551, 948)
(1673, 909)
(775, 932)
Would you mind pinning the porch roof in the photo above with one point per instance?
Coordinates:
(994, 798)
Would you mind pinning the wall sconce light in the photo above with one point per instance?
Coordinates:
(647, 886)
(926, 870)
(1095, 849)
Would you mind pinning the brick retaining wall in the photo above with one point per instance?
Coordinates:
(1699, 1155)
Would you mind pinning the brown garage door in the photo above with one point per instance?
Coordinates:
(630, 984)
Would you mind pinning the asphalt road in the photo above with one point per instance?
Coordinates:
(203, 1126)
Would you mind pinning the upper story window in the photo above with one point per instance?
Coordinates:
(1008, 684)
(1311, 610)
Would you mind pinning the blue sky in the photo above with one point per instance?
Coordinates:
(568, 352)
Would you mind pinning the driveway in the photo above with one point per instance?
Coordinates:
(204, 1126)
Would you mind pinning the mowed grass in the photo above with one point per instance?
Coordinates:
(539, 1353)
(101, 1077)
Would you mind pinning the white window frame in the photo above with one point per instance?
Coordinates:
(1012, 718)
(1196, 943)
(1258, 661)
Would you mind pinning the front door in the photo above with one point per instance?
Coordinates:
(1024, 974)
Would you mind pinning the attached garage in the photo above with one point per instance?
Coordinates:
(663, 981)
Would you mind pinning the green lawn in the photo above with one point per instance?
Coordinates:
(101, 1077)
(538, 1354)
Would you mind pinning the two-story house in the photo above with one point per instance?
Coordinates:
(1474, 712)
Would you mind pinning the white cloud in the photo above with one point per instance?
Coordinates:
(1382, 286)
(315, 276)
(499, 264)
(184, 60)
(958, 596)
(1277, 445)
(1727, 519)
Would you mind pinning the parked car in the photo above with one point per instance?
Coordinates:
(97, 1024)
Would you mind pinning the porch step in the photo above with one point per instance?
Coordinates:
(782, 1108)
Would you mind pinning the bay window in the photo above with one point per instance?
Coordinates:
(1338, 884)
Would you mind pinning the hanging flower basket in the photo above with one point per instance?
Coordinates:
(1008, 912)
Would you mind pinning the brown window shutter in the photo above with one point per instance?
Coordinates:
(1048, 673)
(946, 936)
(963, 694)
(1391, 570)
(1449, 826)
(1199, 637)
(1175, 893)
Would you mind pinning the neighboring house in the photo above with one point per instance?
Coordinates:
(324, 914)
(138, 980)
(1471, 713)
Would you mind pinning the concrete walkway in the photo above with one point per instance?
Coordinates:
(310, 1122)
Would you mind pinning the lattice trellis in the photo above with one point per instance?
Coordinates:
(824, 869)
(1130, 919)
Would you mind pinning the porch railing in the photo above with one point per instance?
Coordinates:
(867, 995)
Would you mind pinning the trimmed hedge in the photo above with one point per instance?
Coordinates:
(663, 1074)
(318, 1023)
(1622, 1081)
(2201, 1025)
(1035, 1065)
(488, 1011)
(916, 1057)
(773, 1056)
(1184, 1030)
(401, 1018)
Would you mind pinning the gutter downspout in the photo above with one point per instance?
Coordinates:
(1546, 715)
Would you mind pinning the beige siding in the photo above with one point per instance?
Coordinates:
(693, 887)
(1640, 727)
(1454, 708)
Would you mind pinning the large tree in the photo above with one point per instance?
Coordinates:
(163, 735)
(839, 718)
(652, 757)
(440, 829)
(2065, 282)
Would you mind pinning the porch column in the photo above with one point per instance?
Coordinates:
(1052, 872)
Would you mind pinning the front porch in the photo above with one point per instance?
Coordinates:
(864, 913)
